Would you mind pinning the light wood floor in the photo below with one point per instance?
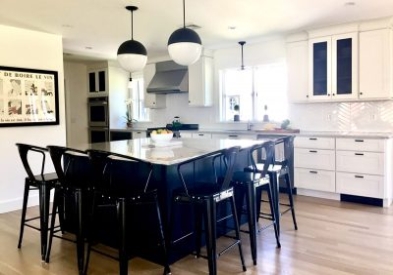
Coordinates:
(333, 238)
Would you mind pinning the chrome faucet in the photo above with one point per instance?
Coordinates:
(249, 126)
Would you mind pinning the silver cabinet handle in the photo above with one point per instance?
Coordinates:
(359, 177)
(359, 140)
(313, 172)
(359, 154)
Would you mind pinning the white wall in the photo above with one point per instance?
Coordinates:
(36, 50)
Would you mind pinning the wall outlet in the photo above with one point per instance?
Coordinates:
(328, 117)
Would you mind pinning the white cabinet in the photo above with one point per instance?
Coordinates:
(233, 136)
(138, 134)
(153, 101)
(333, 67)
(315, 163)
(362, 167)
(375, 64)
(297, 71)
(202, 135)
(98, 82)
(200, 82)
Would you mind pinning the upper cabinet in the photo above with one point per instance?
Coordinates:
(153, 101)
(333, 63)
(98, 82)
(200, 82)
(297, 70)
(375, 64)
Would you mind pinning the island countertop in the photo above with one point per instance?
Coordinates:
(178, 151)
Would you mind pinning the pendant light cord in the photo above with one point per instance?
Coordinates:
(184, 13)
(132, 25)
(242, 44)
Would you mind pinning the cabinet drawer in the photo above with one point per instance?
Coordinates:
(315, 159)
(360, 185)
(360, 162)
(315, 179)
(314, 142)
(360, 144)
(201, 135)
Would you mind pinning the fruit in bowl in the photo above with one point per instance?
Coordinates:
(161, 136)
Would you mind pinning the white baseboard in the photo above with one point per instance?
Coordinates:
(16, 204)
(318, 194)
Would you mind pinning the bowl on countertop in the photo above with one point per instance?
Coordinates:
(162, 138)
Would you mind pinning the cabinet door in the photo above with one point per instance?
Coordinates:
(315, 159)
(153, 101)
(98, 81)
(315, 179)
(201, 135)
(345, 66)
(200, 82)
(360, 185)
(375, 64)
(320, 68)
(297, 62)
(360, 162)
(138, 134)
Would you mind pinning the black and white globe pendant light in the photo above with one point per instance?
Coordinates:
(184, 44)
(132, 55)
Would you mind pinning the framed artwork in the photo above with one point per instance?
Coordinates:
(28, 97)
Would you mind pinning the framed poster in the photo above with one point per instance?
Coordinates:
(28, 97)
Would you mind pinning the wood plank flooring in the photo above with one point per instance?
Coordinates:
(333, 238)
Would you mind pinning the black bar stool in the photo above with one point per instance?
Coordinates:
(248, 187)
(206, 197)
(72, 199)
(44, 183)
(122, 183)
(280, 172)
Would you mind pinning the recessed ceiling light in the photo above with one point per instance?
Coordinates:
(232, 27)
(67, 26)
(88, 48)
(349, 4)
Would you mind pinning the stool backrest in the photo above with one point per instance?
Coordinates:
(262, 153)
(228, 157)
(71, 165)
(24, 150)
(119, 175)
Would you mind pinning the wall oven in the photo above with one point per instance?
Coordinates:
(98, 112)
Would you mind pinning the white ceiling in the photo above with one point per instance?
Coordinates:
(96, 28)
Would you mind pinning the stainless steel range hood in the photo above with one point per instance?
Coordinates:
(169, 78)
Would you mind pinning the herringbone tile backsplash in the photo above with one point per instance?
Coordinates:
(348, 116)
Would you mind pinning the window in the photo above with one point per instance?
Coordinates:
(252, 89)
(135, 103)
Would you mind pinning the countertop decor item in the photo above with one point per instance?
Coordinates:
(184, 44)
(236, 108)
(132, 55)
(161, 136)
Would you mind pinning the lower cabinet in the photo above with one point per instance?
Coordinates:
(138, 134)
(345, 165)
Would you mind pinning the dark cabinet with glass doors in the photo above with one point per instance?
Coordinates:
(333, 67)
(98, 81)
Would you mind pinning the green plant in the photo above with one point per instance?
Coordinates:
(129, 119)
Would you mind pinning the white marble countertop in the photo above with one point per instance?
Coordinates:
(360, 134)
(189, 148)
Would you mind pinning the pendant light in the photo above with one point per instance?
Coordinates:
(242, 44)
(184, 44)
(132, 55)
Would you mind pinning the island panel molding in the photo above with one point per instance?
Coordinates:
(28, 97)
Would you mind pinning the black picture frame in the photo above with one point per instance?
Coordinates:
(28, 97)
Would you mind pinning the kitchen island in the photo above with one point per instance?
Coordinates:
(165, 179)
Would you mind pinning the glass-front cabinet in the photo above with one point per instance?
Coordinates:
(333, 67)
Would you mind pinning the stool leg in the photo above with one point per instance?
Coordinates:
(290, 196)
(237, 231)
(251, 217)
(275, 198)
(55, 206)
(167, 270)
(79, 234)
(198, 214)
(271, 204)
(123, 257)
(44, 196)
(210, 226)
(24, 209)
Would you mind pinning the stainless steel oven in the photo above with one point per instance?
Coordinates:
(98, 112)
(98, 134)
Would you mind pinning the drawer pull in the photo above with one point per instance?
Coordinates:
(359, 154)
(313, 139)
(359, 140)
(233, 135)
(359, 177)
(201, 135)
(313, 172)
(313, 151)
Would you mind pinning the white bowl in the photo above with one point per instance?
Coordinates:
(161, 138)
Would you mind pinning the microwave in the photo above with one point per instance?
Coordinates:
(98, 108)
